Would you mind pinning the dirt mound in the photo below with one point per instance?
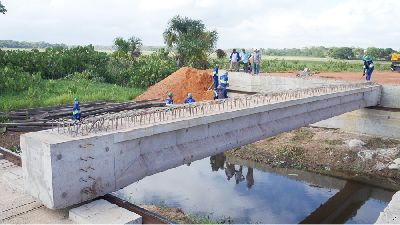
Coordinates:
(181, 82)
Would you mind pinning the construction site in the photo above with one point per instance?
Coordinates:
(329, 132)
(148, 112)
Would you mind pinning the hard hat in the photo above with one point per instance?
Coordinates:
(367, 58)
(189, 95)
(170, 94)
(76, 99)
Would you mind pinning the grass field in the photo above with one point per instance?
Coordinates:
(316, 59)
(56, 92)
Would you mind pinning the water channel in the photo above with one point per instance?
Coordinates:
(247, 192)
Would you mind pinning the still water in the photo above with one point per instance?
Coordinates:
(247, 192)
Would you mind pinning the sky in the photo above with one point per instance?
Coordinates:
(240, 23)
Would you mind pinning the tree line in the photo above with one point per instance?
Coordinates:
(26, 44)
(333, 52)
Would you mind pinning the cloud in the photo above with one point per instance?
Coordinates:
(262, 23)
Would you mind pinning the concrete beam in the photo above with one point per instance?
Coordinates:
(63, 170)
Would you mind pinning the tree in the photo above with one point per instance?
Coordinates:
(2, 8)
(190, 41)
(341, 53)
(129, 47)
(220, 53)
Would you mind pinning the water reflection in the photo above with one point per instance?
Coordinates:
(217, 163)
(229, 190)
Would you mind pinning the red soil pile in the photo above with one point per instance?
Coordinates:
(180, 83)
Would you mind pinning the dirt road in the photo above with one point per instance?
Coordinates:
(379, 77)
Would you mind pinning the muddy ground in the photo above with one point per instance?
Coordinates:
(327, 151)
(9, 140)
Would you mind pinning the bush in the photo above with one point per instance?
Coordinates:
(15, 80)
(143, 72)
(221, 54)
(55, 63)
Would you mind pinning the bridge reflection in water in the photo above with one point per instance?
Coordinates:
(248, 192)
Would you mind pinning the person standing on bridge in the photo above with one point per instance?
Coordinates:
(245, 60)
(368, 66)
(169, 100)
(189, 99)
(76, 110)
(235, 59)
(256, 61)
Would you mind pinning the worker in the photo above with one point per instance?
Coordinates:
(245, 60)
(169, 100)
(256, 61)
(368, 67)
(189, 99)
(223, 80)
(76, 110)
(235, 59)
(215, 77)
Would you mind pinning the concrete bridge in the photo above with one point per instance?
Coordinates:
(73, 163)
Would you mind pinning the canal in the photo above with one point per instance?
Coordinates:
(246, 192)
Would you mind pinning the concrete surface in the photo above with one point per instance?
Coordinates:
(63, 170)
(366, 121)
(19, 208)
(390, 96)
(391, 214)
(245, 82)
(103, 212)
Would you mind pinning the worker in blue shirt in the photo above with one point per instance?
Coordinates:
(245, 60)
(215, 77)
(76, 110)
(169, 100)
(189, 99)
(223, 80)
(368, 67)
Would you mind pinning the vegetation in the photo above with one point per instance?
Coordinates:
(57, 92)
(2, 8)
(190, 41)
(220, 53)
(315, 65)
(334, 52)
(25, 44)
(129, 47)
(119, 68)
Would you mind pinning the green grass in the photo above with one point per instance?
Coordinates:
(302, 134)
(272, 64)
(57, 92)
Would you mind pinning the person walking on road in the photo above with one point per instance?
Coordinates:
(256, 61)
(368, 66)
(235, 59)
(245, 60)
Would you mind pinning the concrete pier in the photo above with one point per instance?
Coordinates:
(391, 214)
(61, 170)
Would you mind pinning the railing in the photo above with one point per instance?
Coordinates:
(140, 118)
